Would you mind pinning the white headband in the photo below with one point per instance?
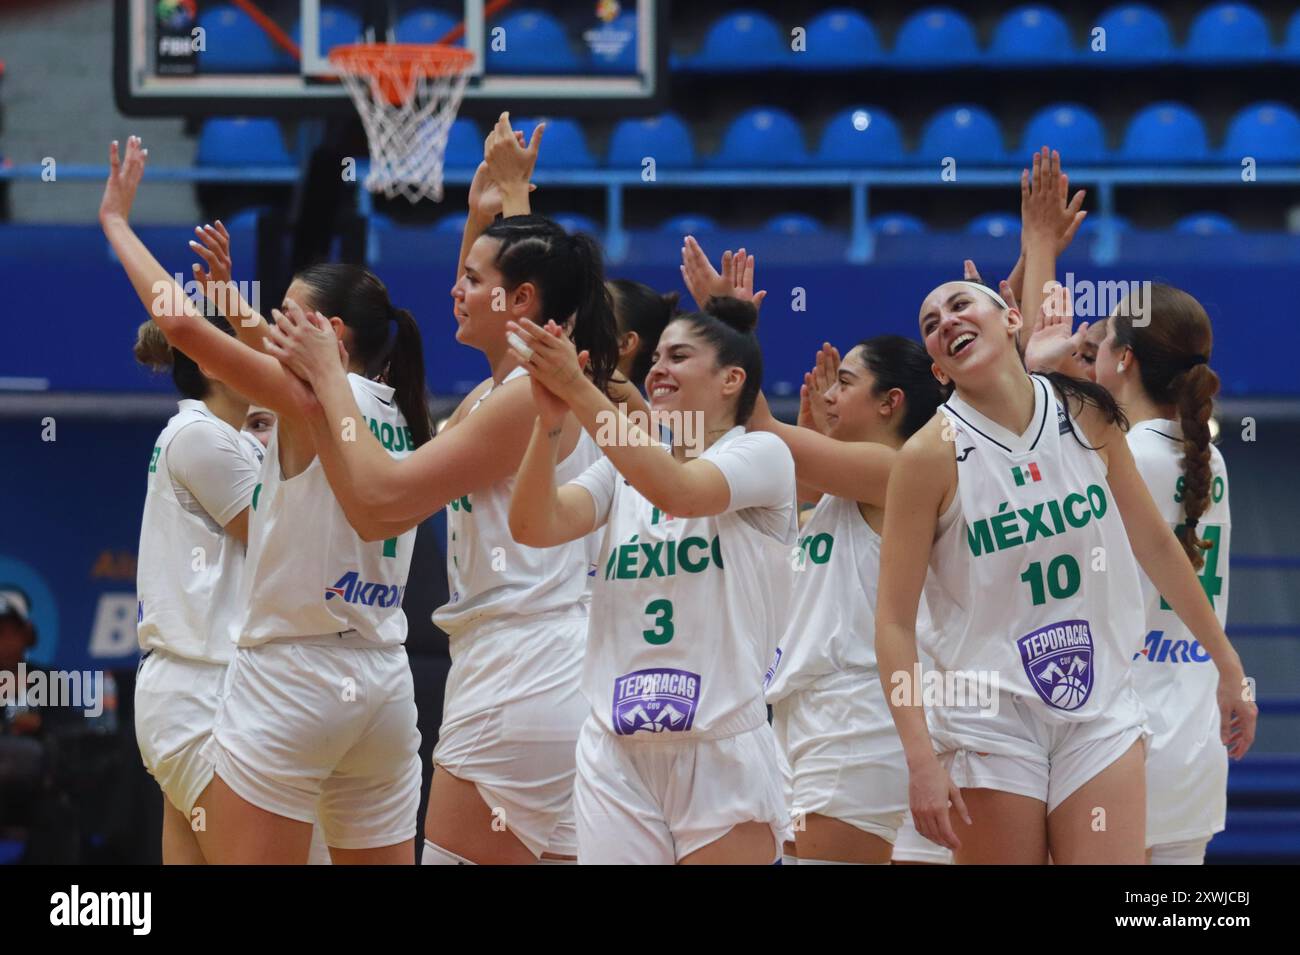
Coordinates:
(986, 290)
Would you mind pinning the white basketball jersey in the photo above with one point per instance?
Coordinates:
(1031, 576)
(686, 612)
(188, 569)
(308, 572)
(489, 575)
(831, 625)
(1173, 673)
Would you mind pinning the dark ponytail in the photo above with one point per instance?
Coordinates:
(728, 325)
(898, 362)
(568, 272)
(385, 340)
(1173, 350)
(639, 308)
(154, 352)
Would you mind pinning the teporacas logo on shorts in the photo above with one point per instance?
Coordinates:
(1058, 661)
(655, 701)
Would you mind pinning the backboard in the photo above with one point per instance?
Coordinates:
(260, 57)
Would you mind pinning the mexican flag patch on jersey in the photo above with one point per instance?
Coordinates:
(1026, 475)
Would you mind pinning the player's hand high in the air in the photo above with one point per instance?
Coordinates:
(816, 388)
(124, 174)
(510, 163)
(213, 248)
(485, 199)
(704, 282)
(1047, 211)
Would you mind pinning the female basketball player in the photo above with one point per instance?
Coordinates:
(1159, 373)
(1014, 499)
(517, 617)
(848, 777)
(192, 537)
(317, 715)
(676, 762)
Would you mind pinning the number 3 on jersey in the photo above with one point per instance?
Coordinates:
(663, 622)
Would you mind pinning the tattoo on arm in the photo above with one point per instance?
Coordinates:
(555, 432)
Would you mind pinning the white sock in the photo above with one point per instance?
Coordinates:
(788, 859)
(436, 855)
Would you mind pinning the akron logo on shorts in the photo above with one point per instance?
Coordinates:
(1058, 661)
(352, 589)
(655, 701)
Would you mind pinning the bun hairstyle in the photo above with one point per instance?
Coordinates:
(154, 352)
(385, 339)
(639, 308)
(568, 272)
(898, 362)
(1173, 351)
(728, 325)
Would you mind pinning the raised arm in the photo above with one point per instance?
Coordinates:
(921, 478)
(695, 488)
(219, 288)
(856, 470)
(1163, 560)
(258, 377)
(1049, 218)
(485, 198)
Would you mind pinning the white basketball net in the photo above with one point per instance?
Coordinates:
(408, 139)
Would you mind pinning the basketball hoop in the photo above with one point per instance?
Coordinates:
(407, 95)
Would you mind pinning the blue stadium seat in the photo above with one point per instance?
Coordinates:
(613, 46)
(338, 26)
(233, 43)
(745, 39)
(761, 138)
(688, 223)
(1073, 129)
(664, 137)
(938, 36)
(1205, 223)
(1265, 131)
(535, 42)
(1165, 132)
(464, 145)
(452, 224)
(577, 222)
(793, 223)
(425, 25)
(967, 133)
(564, 142)
(1133, 32)
(12, 851)
(860, 136)
(1291, 45)
(839, 38)
(1229, 31)
(897, 223)
(996, 225)
(1032, 34)
(241, 142)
